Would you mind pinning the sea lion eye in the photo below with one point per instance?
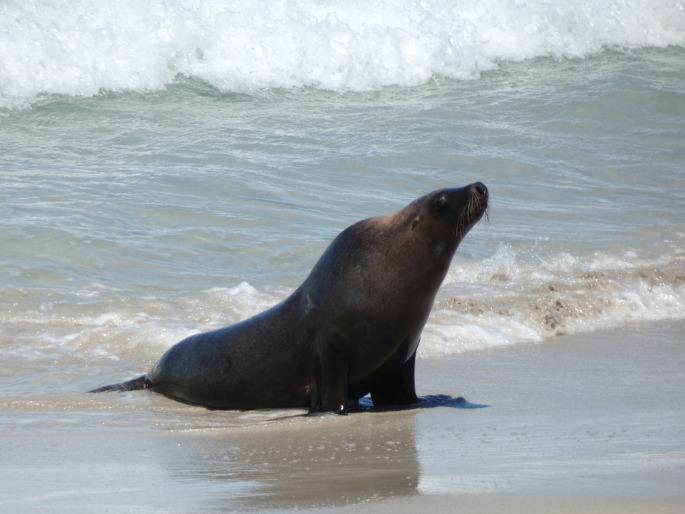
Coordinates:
(439, 202)
(415, 222)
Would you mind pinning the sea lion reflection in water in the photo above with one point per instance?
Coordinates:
(351, 329)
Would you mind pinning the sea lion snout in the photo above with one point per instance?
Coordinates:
(478, 201)
(480, 189)
(468, 205)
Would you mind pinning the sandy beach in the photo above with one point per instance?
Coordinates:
(580, 423)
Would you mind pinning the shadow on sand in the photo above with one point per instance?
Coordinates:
(427, 402)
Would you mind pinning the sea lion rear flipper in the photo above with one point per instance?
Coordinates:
(142, 382)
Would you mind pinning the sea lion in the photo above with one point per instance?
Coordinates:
(351, 329)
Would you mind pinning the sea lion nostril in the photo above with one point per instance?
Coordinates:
(479, 188)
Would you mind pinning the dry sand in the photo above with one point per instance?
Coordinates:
(583, 423)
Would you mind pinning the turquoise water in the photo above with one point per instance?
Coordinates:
(156, 183)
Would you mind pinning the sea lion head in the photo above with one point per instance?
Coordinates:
(446, 215)
(412, 246)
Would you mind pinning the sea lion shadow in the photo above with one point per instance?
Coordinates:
(365, 404)
(426, 402)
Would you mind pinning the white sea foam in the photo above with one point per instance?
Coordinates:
(511, 298)
(83, 47)
(519, 296)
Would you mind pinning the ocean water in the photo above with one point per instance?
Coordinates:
(173, 167)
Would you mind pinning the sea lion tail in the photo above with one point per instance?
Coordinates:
(142, 382)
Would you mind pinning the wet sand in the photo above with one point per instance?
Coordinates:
(582, 423)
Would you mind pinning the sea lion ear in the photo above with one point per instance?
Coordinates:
(439, 202)
(415, 222)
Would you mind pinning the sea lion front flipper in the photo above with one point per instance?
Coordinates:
(397, 388)
(330, 376)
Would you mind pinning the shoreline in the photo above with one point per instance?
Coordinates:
(581, 423)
